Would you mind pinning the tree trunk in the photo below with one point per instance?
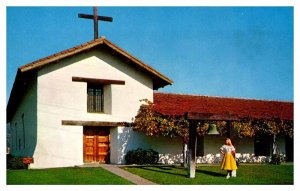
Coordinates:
(275, 151)
(184, 153)
(275, 148)
(192, 150)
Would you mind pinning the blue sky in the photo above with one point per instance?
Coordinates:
(244, 52)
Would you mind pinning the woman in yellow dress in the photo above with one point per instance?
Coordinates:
(228, 163)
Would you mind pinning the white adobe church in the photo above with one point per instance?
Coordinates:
(68, 109)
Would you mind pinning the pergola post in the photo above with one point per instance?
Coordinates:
(192, 149)
(193, 118)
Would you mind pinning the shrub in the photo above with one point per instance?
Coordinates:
(14, 162)
(140, 156)
(276, 159)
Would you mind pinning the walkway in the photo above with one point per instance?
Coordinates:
(122, 173)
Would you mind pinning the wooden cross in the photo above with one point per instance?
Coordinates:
(95, 17)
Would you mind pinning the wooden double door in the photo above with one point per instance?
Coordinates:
(96, 144)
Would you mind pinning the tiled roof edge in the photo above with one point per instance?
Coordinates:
(221, 97)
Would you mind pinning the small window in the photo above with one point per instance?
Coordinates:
(94, 98)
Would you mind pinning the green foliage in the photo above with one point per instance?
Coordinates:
(250, 127)
(14, 162)
(152, 123)
(276, 159)
(145, 120)
(140, 156)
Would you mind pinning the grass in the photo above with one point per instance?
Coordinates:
(161, 174)
(64, 176)
(213, 175)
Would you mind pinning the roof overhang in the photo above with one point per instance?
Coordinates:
(210, 117)
(159, 80)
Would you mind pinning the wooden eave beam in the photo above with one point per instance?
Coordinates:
(210, 117)
(98, 81)
(136, 61)
(94, 123)
(61, 55)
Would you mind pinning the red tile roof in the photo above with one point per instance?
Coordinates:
(178, 104)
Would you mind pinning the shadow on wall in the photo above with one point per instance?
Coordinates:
(23, 126)
(129, 140)
(123, 139)
(170, 150)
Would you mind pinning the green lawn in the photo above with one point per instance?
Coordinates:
(213, 175)
(64, 176)
(165, 175)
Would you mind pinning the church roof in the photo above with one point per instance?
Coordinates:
(179, 104)
(159, 80)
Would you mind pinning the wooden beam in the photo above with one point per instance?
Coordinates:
(98, 81)
(61, 55)
(144, 66)
(94, 123)
(95, 10)
(210, 117)
(101, 18)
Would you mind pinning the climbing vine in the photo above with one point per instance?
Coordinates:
(152, 123)
(251, 127)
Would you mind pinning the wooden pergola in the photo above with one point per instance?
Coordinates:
(193, 119)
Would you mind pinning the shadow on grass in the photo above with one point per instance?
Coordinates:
(160, 169)
(211, 173)
(165, 169)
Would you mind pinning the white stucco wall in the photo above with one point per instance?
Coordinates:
(59, 98)
(244, 145)
(244, 149)
(131, 140)
(214, 142)
(27, 108)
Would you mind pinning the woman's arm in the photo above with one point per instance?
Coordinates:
(233, 152)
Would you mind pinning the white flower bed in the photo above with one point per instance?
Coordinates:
(170, 159)
(215, 159)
